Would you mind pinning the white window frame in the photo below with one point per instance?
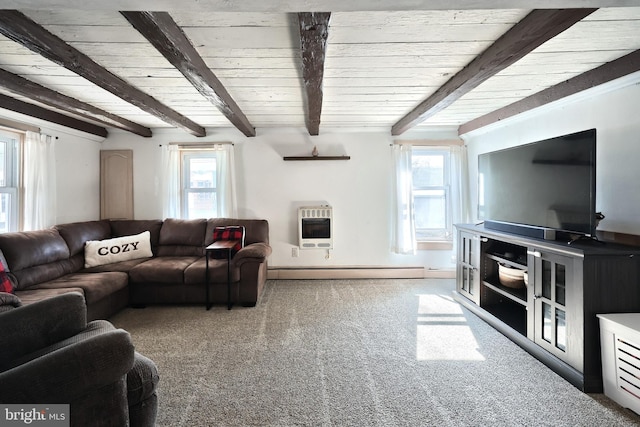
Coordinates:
(186, 189)
(11, 188)
(440, 234)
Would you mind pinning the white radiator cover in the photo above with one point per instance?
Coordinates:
(620, 347)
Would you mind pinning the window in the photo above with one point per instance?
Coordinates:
(9, 181)
(199, 184)
(199, 181)
(431, 188)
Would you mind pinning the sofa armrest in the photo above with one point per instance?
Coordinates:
(71, 372)
(255, 252)
(31, 327)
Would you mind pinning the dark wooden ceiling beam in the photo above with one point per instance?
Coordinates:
(21, 29)
(12, 104)
(21, 86)
(532, 31)
(314, 29)
(620, 67)
(169, 39)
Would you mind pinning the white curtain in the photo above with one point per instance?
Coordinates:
(39, 182)
(404, 236)
(171, 182)
(460, 204)
(225, 167)
(460, 209)
(226, 186)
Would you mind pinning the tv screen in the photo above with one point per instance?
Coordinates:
(549, 183)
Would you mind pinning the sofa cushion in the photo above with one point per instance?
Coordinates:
(128, 227)
(124, 266)
(108, 251)
(35, 256)
(195, 274)
(77, 233)
(165, 269)
(95, 286)
(31, 295)
(182, 237)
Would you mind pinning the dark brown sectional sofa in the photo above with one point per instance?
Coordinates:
(50, 262)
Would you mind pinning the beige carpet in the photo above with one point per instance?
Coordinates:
(352, 353)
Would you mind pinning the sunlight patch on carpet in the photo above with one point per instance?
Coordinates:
(443, 332)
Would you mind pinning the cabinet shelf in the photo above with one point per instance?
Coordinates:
(507, 261)
(513, 315)
(316, 157)
(516, 295)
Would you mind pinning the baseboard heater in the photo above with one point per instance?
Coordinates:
(363, 272)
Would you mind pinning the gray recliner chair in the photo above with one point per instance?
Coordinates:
(50, 354)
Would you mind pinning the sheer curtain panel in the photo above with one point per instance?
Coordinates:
(404, 235)
(39, 181)
(171, 181)
(226, 205)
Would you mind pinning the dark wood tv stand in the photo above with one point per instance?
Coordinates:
(554, 317)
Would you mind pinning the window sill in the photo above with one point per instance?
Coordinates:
(435, 246)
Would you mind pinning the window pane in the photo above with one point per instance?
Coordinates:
(201, 204)
(430, 210)
(430, 193)
(561, 330)
(5, 213)
(547, 323)
(202, 172)
(428, 170)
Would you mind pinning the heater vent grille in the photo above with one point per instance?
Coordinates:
(628, 367)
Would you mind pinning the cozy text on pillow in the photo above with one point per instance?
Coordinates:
(99, 252)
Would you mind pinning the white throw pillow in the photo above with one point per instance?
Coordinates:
(100, 252)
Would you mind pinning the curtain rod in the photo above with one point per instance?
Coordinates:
(429, 142)
(200, 145)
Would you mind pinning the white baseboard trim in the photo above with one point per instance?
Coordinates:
(294, 273)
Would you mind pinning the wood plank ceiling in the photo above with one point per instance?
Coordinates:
(365, 69)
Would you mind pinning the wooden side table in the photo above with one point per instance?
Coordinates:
(220, 246)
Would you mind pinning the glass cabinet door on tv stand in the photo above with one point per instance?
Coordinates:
(468, 266)
(557, 306)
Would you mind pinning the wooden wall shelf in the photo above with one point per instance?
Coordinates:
(316, 157)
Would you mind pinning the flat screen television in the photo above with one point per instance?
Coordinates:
(544, 185)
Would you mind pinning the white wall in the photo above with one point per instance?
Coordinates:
(613, 111)
(359, 190)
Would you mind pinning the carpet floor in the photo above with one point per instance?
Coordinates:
(352, 353)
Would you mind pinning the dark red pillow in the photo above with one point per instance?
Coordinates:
(5, 284)
(232, 232)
